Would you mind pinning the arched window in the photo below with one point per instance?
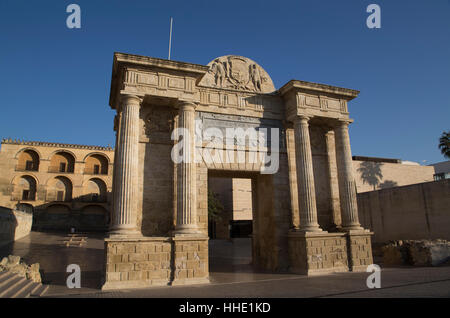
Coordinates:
(95, 191)
(26, 188)
(62, 162)
(59, 189)
(96, 164)
(28, 160)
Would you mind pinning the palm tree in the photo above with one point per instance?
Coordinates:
(444, 144)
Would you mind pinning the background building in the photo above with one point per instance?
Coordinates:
(372, 173)
(63, 185)
(441, 170)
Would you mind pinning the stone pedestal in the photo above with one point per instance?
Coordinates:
(190, 260)
(155, 261)
(137, 263)
(312, 253)
(359, 250)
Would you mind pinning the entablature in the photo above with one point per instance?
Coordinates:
(316, 100)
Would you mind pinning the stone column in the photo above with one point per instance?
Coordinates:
(186, 173)
(347, 186)
(125, 169)
(305, 176)
(333, 179)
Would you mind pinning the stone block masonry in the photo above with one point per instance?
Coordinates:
(321, 252)
(360, 250)
(190, 261)
(155, 261)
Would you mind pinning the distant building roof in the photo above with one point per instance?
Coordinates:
(53, 144)
(376, 159)
(441, 167)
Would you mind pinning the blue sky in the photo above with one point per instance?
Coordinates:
(55, 81)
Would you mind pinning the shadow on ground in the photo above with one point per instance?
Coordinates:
(53, 256)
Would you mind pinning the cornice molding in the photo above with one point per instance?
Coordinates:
(9, 141)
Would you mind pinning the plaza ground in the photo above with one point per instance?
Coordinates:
(231, 274)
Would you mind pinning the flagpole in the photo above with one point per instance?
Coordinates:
(170, 37)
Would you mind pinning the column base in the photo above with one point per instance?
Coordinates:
(352, 228)
(124, 230)
(310, 228)
(187, 229)
(121, 233)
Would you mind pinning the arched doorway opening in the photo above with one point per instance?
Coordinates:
(26, 188)
(96, 164)
(28, 160)
(95, 191)
(59, 189)
(62, 162)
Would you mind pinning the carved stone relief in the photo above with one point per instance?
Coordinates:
(158, 120)
(237, 72)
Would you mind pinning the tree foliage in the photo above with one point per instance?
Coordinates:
(215, 207)
(444, 144)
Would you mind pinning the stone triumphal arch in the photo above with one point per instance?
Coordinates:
(176, 122)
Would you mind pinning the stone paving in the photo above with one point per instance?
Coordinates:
(231, 274)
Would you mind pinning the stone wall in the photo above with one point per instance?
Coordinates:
(416, 253)
(414, 212)
(14, 225)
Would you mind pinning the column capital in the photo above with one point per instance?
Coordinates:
(302, 119)
(344, 122)
(130, 99)
(186, 105)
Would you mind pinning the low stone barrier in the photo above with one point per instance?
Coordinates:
(416, 252)
(14, 225)
(15, 265)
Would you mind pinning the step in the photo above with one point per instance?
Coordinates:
(5, 276)
(26, 292)
(19, 288)
(39, 290)
(10, 285)
(3, 273)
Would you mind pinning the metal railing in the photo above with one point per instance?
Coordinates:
(24, 168)
(92, 171)
(56, 169)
